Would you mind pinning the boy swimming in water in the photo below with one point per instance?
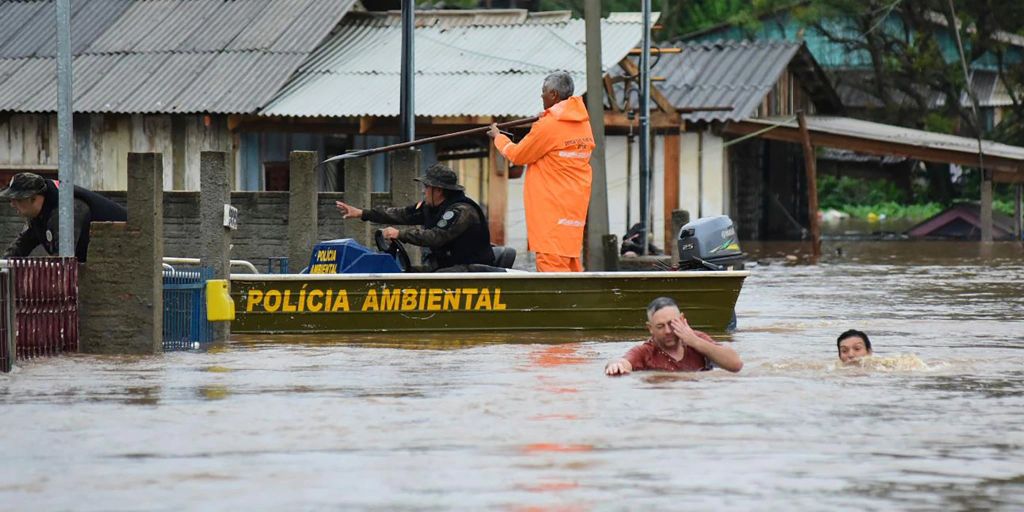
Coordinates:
(853, 345)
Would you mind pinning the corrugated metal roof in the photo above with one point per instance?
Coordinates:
(216, 31)
(853, 86)
(161, 56)
(725, 73)
(32, 33)
(476, 17)
(462, 70)
(856, 128)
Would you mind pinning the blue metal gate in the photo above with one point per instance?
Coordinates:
(185, 324)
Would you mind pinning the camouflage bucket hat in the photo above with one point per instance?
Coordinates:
(24, 185)
(440, 176)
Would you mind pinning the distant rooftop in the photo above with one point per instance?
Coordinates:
(734, 73)
(468, 63)
(167, 56)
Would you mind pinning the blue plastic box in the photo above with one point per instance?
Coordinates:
(346, 256)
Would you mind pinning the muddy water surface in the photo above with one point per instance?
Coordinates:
(534, 425)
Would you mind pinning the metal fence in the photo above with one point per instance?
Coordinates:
(185, 324)
(7, 330)
(39, 297)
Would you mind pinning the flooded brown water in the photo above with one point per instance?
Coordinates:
(361, 424)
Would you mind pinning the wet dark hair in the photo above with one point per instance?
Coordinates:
(850, 334)
(660, 303)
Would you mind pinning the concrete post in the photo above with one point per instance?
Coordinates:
(214, 238)
(358, 188)
(597, 214)
(680, 218)
(1018, 212)
(405, 165)
(610, 247)
(121, 288)
(986, 206)
(302, 206)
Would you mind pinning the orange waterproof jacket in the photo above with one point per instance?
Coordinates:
(557, 189)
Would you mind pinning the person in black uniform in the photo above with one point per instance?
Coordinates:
(35, 199)
(447, 222)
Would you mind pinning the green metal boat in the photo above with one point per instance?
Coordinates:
(482, 302)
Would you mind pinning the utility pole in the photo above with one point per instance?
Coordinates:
(407, 113)
(645, 127)
(65, 134)
(597, 214)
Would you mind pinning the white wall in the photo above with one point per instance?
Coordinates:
(702, 169)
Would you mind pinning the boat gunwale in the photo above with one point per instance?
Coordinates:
(405, 276)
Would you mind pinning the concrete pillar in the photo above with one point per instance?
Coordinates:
(121, 287)
(610, 246)
(405, 165)
(1018, 212)
(680, 218)
(689, 172)
(302, 206)
(712, 175)
(986, 206)
(214, 238)
(358, 188)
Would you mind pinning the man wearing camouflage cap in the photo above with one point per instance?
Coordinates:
(35, 199)
(447, 222)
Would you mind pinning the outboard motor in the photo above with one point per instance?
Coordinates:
(710, 244)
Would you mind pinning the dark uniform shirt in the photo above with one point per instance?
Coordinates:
(43, 229)
(455, 224)
(29, 238)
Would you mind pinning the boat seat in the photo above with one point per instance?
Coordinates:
(504, 256)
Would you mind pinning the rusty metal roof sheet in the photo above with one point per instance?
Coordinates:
(460, 70)
(161, 56)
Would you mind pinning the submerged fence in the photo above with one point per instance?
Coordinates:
(185, 323)
(39, 297)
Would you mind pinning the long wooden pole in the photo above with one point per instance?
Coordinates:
(384, 149)
(810, 164)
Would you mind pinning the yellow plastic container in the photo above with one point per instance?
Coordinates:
(219, 306)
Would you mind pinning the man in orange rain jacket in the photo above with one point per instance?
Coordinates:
(557, 190)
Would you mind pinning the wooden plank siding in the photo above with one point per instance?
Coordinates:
(29, 142)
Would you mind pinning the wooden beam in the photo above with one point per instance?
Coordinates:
(462, 120)
(663, 103)
(659, 120)
(655, 51)
(609, 89)
(365, 125)
(671, 187)
(811, 166)
(875, 147)
(497, 195)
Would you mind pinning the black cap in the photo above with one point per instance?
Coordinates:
(441, 176)
(24, 185)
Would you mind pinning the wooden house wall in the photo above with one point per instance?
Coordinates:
(28, 142)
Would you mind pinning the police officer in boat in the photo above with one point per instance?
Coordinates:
(35, 199)
(447, 222)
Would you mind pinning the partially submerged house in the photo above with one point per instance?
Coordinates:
(962, 222)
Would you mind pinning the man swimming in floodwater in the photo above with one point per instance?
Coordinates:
(853, 345)
(674, 346)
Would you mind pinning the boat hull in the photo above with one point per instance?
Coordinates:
(343, 303)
